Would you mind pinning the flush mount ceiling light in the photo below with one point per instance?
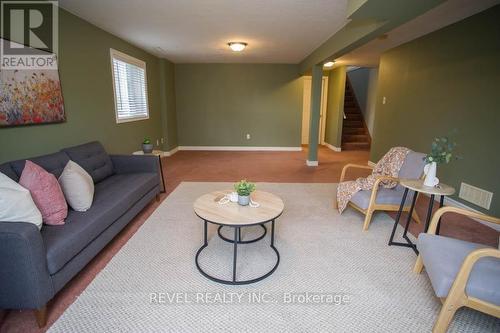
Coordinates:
(237, 46)
(329, 64)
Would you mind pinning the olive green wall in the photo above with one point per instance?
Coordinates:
(447, 80)
(168, 111)
(335, 106)
(218, 104)
(85, 73)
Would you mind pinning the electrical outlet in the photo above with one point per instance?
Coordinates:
(383, 100)
(157, 142)
(161, 140)
(248, 136)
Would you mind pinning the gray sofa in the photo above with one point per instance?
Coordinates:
(34, 264)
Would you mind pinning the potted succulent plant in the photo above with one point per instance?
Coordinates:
(147, 146)
(244, 188)
(441, 152)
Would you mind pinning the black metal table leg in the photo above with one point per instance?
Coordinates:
(441, 204)
(410, 213)
(398, 216)
(235, 254)
(162, 179)
(272, 234)
(408, 243)
(205, 233)
(429, 213)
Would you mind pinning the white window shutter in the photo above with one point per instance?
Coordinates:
(130, 87)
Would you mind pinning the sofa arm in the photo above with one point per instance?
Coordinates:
(25, 282)
(135, 163)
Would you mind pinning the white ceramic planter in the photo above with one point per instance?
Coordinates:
(244, 200)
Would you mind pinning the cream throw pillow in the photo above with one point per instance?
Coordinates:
(77, 186)
(16, 204)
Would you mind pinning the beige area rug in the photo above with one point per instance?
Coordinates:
(332, 277)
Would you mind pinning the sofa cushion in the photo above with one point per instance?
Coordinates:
(112, 198)
(385, 196)
(93, 158)
(443, 257)
(77, 186)
(16, 203)
(46, 193)
(53, 163)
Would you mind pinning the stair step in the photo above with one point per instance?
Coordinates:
(355, 138)
(353, 123)
(356, 146)
(353, 130)
(353, 116)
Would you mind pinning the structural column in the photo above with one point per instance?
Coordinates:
(316, 85)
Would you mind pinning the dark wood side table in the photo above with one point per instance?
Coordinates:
(418, 187)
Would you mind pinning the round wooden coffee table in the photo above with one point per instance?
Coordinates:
(208, 208)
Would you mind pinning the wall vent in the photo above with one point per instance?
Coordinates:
(476, 195)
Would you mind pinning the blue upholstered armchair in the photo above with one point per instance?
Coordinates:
(461, 273)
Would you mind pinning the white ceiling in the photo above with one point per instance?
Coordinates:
(277, 31)
(445, 14)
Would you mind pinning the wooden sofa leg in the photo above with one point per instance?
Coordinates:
(368, 219)
(157, 198)
(41, 316)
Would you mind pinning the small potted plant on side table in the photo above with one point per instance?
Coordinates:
(441, 152)
(244, 188)
(147, 146)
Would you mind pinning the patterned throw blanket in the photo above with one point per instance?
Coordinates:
(389, 165)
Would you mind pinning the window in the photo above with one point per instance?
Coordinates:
(130, 88)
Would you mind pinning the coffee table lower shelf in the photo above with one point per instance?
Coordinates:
(237, 240)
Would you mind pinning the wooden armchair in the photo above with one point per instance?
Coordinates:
(461, 273)
(384, 199)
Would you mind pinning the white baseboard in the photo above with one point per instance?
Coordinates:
(312, 163)
(372, 164)
(337, 149)
(171, 152)
(239, 148)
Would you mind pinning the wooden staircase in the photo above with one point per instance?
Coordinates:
(355, 135)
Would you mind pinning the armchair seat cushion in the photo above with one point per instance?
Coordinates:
(385, 196)
(112, 198)
(443, 257)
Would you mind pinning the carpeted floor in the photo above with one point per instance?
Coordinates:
(321, 253)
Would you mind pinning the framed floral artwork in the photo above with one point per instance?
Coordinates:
(29, 97)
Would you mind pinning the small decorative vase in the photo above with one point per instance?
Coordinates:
(147, 148)
(244, 200)
(430, 174)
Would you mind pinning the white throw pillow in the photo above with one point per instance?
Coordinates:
(16, 204)
(77, 186)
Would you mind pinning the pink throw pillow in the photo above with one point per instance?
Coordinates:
(46, 193)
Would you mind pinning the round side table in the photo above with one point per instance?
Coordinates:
(417, 185)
